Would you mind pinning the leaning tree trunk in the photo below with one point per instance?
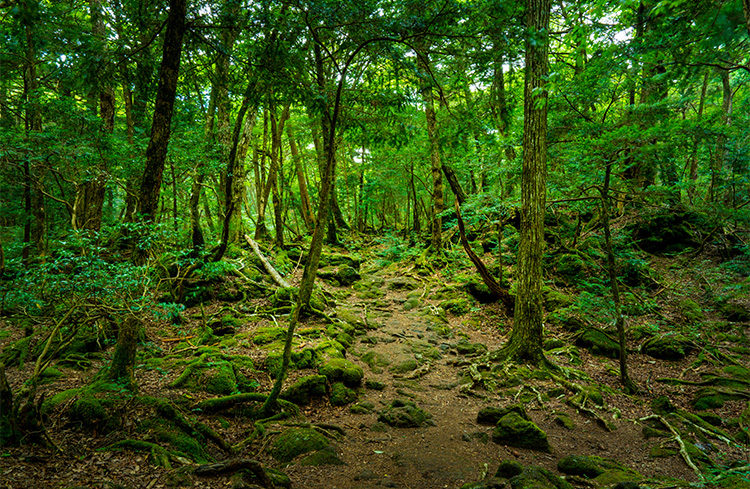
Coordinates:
(156, 153)
(525, 343)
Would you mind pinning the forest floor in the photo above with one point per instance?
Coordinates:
(449, 450)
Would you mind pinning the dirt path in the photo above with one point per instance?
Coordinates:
(455, 449)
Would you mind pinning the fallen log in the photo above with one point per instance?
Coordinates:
(266, 264)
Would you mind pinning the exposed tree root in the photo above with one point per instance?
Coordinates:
(235, 465)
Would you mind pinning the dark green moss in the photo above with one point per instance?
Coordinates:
(296, 441)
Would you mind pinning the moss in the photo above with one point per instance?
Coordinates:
(341, 395)
(374, 385)
(580, 465)
(590, 393)
(340, 369)
(491, 415)
(404, 366)
(736, 313)
(599, 343)
(362, 408)
(304, 389)
(89, 412)
(513, 430)
(457, 307)
(351, 318)
(554, 299)
(50, 374)
(330, 349)
(691, 311)
(404, 414)
(375, 361)
(61, 397)
(294, 442)
(538, 478)
(605, 471)
(465, 347)
(268, 334)
(667, 347)
(324, 456)
(509, 469)
(159, 456)
(565, 421)
(220, 380)
(659, 451)
(662, 405)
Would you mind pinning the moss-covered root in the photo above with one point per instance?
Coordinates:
(160, 456)
(170, 412)
(236, 465)
(221, 403)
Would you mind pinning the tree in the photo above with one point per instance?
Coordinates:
(525, 343)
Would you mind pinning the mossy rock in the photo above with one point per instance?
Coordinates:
(554, 299)
(509, 469)
(538, 478)
(220, 380)
(565, 421)
(369, 288)
(410, 303)
(599, 343)
(306, 388)
(662, 405)
(324, 456)
(376, 361)
(89, 412)
(351, 318)
(553, 344)
(567, 319)
(514, 430)
(403, 283)
(667, 347)
(491, 415)
(589, 393)
(658, 451)
(667, 233)
(49, 375)
(330, 349)
(344, 275)
(404, 365)
(404, 414)
(341, 395)
(362, 408)
(295, 442)
(339, 259)
(571, 268)
(342, 370)
(268, 334)
(734, 312)
(375, 385)
(457, 307)
(712, 398)
(604, 471)
(479, 291)
(465, 347)
(691, 311)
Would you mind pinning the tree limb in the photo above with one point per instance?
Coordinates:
(266, 264)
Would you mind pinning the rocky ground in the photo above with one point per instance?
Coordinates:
(391, 384)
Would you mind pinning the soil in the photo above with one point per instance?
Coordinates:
(448, 453)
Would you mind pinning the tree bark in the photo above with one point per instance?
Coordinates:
(436, 243)
(156, 153)
(304, 196)
(122, 368)
(525, 343)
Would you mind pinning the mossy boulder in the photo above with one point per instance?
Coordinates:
(465, 347)
(565, 421)
(89, 412)
(341, 395)
(295, 442)
(404, 414)
(268, 334)
(342, 370)
(343, 274)
(376, 361)
(534, 477)
(662, 406)
(339, 259)
(479, 291)
(352, 318)
(514, 430)
(306, 388)
(604, 471)
(324, 456)
(667, 347)
(509, 469)
(220, 380)
(457, 307)
(734, 312)
(691, 311)
(599, 343)
(491, 415)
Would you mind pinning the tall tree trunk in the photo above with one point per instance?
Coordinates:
(304, 196)
(122, 368)
(436, 242)
(156, 153)
(693, 161)
(717, 164)
(525, 343)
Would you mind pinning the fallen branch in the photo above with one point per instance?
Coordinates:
(266, 264)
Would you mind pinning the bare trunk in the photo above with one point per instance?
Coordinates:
(306, 211)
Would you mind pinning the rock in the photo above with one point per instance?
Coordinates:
(538, 478)
(565, 421)
(342, 370)
(324, 456)
(402, 283)
(374, 385)
(478, 290)
(341, 395)
(304, 389)
(296, 441)
(491, 415)
(343, 274)
(667, 347)
(464, 347)
(404, 414)
(362, 408)
(509, 469)
(606, 472)
(376, 361)
(457, 307)
(599, 343)
(515, 431)
(662, 405)
(403, 366)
